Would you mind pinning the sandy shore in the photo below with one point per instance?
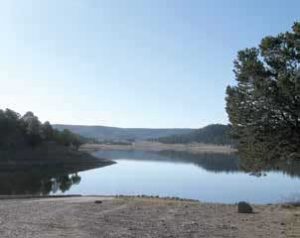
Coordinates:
(141, 217)
(195, 148)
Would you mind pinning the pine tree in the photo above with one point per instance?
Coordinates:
(264, 106)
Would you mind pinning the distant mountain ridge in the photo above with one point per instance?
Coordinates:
(218, 134)
(211, 134)
(117, 133)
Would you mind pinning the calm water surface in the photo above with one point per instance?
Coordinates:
(211, 178)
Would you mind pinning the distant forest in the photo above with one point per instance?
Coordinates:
(18, 131)
(212, 134)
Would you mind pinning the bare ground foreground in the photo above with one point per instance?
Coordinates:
(141, 217)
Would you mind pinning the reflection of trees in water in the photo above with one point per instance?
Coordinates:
(64, 183)
(211, 162)
(40, 180)
(256, 165)
(36, 182)
(233, 163)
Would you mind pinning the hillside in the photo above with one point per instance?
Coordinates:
(211, 134)
(116, 133)
(25, 142)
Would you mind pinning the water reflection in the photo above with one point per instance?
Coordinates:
(211, 162)
(39, 180)
(206, 177)
(217, 163)
(258, 167)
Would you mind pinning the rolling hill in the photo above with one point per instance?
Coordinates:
(212, 134)
(116, 133)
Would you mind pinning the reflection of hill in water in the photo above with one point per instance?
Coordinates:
(39, 180)
(210, 162)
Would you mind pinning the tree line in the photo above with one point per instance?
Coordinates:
(20, 131)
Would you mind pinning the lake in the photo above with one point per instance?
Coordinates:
(206, 177)
(209, 178)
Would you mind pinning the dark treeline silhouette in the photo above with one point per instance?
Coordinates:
(25, 143)
(212, 134)
(18, 131)
(264, 106)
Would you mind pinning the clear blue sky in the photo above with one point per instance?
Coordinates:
(134, 63)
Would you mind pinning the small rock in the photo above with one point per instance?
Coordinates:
(244, 207)
(98, 201)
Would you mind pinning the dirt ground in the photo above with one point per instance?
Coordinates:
(141, 217)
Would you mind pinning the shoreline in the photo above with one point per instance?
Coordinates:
(142, 196)
(126, 216)
(194, 148)
(48, 154)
